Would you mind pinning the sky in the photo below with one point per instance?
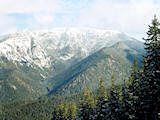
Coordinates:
(128, 16)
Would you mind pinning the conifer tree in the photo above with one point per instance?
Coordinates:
(134, 78)
(113, 102)
(102, 93)
(127, 106)
(151, 81)
(133, 94)
(63, 111)
(72, 111)
(101, 110)
(87, 105)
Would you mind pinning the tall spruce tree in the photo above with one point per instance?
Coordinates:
(134, 90)
(130, 94)
(126, 104)
(134, 80)
(151, 81)
(87, 105)
(102, 105)
(113, 102)
(62, 111)
(72, 111)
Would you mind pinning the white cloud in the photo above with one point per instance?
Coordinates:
(7, 25)
(129, 16)
(42, 11)
(29, 6)
(41, 21)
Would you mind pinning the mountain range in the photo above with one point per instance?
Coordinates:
(63, 61)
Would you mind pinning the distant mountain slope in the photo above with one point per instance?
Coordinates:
(116, 60)
(29, 59)
(19, 82)
(59, 48)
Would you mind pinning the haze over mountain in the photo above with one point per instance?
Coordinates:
(55, 59)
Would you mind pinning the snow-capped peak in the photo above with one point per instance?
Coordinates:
(44, 48)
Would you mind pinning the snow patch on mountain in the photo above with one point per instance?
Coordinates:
(43, 48)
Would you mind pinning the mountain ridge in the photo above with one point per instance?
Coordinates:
(101, 64)
(37, 47)
(37, 57)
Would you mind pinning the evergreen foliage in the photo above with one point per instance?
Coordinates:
(151, 79)
(101, 109)
(87, 105)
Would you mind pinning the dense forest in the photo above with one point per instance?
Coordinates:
(137, 98)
